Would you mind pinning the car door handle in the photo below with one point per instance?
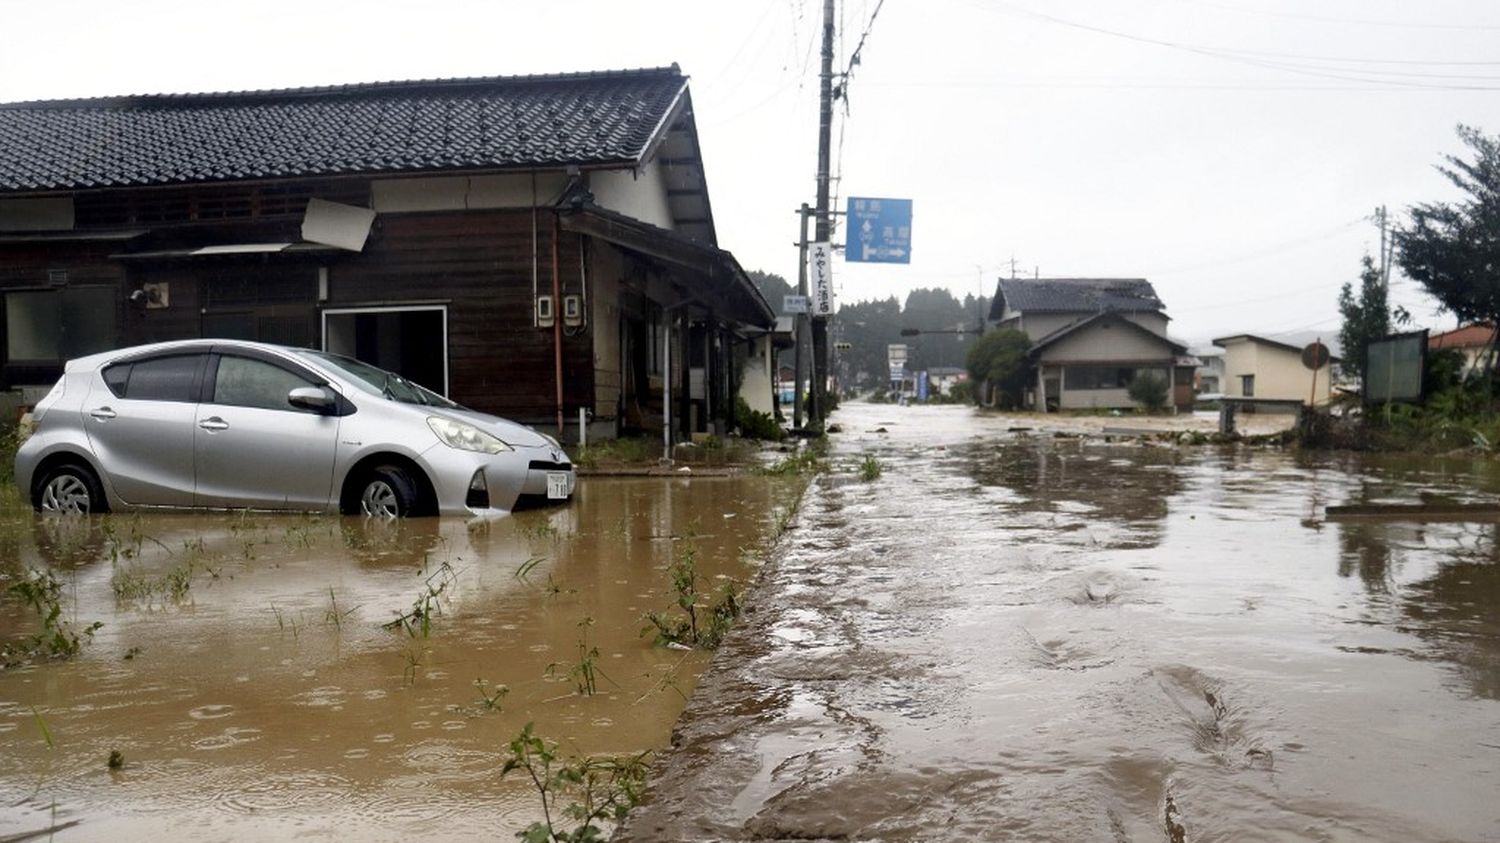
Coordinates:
(214, 423)
(102, 413)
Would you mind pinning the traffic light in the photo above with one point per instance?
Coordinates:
(842, 346)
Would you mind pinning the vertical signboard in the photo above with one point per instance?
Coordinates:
(820, 278)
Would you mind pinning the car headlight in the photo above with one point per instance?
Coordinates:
(465, 437)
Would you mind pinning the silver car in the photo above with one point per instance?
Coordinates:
(230, 424)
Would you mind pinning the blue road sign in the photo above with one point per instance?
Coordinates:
(879, 231)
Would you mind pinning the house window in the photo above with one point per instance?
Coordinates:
(56, 325)
(1104, 377)
(1247, 386)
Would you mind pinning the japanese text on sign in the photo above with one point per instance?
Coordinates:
(820, 277)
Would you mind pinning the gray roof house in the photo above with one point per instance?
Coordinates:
(1090, 338)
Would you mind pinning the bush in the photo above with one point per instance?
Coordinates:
(1149, 390)
(755, 424)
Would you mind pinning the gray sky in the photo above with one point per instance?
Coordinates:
(1230, 151)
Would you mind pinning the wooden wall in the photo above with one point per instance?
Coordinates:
(480, 264)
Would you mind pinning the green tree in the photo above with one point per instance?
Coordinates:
(999, 360)
(1366, 318)
(1453, 249)
(1149, 390)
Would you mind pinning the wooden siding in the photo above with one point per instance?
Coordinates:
(480, 265)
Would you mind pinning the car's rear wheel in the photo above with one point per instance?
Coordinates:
(387, 492)
(69, 488)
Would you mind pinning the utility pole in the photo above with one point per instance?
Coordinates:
(799, 321)
(822, 229)
(1385, 250)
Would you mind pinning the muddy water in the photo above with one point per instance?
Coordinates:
(263, 700)
(1010, 636)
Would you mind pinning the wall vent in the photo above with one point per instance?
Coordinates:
(57, 277)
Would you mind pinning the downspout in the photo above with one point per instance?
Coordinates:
(557, 355)
(666, 388)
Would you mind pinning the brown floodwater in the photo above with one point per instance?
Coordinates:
(244, 674)
(1013, 636)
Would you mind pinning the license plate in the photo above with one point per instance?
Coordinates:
(557, 485)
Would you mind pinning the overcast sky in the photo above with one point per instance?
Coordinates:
(1230, 151)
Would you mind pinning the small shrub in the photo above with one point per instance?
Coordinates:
(755, 424)
(870, 468)
(1149, 390)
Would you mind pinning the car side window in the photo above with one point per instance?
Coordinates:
(115, 377)
(158, 379)
(246, 382)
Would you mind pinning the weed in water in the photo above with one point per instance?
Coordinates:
(582, 797)
(58, 639)
(870, 468)
(131, 653)
(489, 699)
(528, 566)
(334, 615)
(585, 672)
(413, 656)
(116, 759)
(669, 679)
(702, 621)
(417, 621)
(41, 725)
(130, 584)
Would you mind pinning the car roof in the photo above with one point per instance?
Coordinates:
(94, 361)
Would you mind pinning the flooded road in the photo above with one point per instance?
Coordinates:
(244, 675)
(1011, 636)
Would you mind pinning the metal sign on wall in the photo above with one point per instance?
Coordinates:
(879, 230)
(820, 277)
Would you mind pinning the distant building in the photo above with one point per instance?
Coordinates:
(1209, 376)
(1262, 367)
(1090, 338)
(942, 379)
(1476, 342)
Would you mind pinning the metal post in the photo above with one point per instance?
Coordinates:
(799, 321)
(666, 388)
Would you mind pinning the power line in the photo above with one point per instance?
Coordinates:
(1234, 56)
(1341, 21)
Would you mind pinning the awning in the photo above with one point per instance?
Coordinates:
(228, 249)
(722, 286)
(71, 236)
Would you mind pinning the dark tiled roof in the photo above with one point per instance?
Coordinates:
(1084, 295)
(391, 127)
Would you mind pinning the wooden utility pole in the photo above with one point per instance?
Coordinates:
(822, 229)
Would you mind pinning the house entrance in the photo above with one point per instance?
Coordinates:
(410, 341)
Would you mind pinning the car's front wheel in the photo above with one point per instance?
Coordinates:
(387, 492)
(69, 488)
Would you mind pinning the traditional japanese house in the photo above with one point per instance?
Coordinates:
(540, 247)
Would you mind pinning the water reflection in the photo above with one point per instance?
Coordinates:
(1117, 496)
(245, 674)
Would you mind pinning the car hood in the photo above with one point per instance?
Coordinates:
(511, 433)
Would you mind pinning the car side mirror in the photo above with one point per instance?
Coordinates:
(315, 398)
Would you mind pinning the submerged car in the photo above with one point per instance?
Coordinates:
(231, 424)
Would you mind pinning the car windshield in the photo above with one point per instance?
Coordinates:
(379, 381)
